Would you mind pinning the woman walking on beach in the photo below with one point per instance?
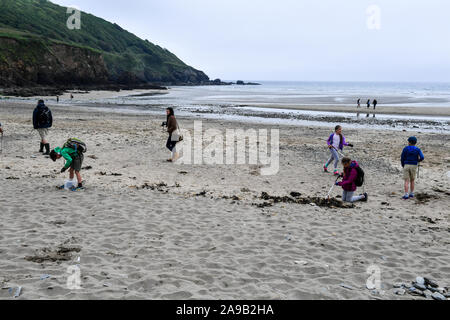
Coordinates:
(336, 142)
(172, 126)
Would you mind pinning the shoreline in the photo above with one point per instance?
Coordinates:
(389, 110)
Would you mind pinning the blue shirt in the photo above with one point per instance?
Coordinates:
(412, 155)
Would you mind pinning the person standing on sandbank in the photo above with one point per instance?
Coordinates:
(42, 122)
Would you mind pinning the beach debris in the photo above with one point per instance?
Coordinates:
(427, 294)
(60, 254)
(201, 194)
(400, 291)
(263, 205)
(183, 172)
(438, 296)
(436, 189)
(12, 178)
(161, 186)
(58, 222)
(420, 280)
(429, 220)
(422, 198)
(19, 291)
(87, 168)
(314, 201)
(45, 276)
(419, 286)
(301, 262)
(343, 285)
(93, 157)
(424, 287)
(245, 190)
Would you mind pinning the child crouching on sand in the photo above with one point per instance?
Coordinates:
(348, 183)
(411, 156)
(72, 152)
(336, 142)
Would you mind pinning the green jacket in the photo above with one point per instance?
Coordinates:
(66, 154)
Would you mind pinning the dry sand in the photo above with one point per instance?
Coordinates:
(176, 242)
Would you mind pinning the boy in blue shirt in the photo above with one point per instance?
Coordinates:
(411, 156)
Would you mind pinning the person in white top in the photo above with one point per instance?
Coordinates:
(336, 142)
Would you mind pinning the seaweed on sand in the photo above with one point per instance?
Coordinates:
(321, 202)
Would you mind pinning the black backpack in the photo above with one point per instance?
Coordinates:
(360, 177)
(44, 117)
(76, 144)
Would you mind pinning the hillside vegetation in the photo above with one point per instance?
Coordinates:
(37, 47)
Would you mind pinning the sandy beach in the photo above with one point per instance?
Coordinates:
(148, 229)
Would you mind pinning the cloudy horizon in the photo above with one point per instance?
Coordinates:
(291, 40)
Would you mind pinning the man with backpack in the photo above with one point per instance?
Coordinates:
(73, 152)
(353, 177)
(42, 121)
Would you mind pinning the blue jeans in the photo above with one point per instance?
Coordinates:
(347, 196)
(335, 156)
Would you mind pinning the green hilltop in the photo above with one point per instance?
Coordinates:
(34, 37)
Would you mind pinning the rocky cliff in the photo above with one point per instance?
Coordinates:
(34, 62)
(38, 49)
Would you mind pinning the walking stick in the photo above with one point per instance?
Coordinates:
(334, 184)
(343, 155)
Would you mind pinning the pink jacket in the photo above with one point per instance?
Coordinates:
(350, 175)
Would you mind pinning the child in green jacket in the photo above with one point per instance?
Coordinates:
(74, 161)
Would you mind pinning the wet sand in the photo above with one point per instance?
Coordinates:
(380, 109)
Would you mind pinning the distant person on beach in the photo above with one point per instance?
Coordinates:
(71, 96)
(359, 103)
(1, 129)
(411, 157)
(336, 142)
(375, 102)
(368, 104)
(42, 122)
(57, 99)
(349, 182)
(172, 141)
(73, 152)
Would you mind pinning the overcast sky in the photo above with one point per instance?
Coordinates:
(293, 39)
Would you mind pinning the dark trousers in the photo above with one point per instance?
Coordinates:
(170, 144)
